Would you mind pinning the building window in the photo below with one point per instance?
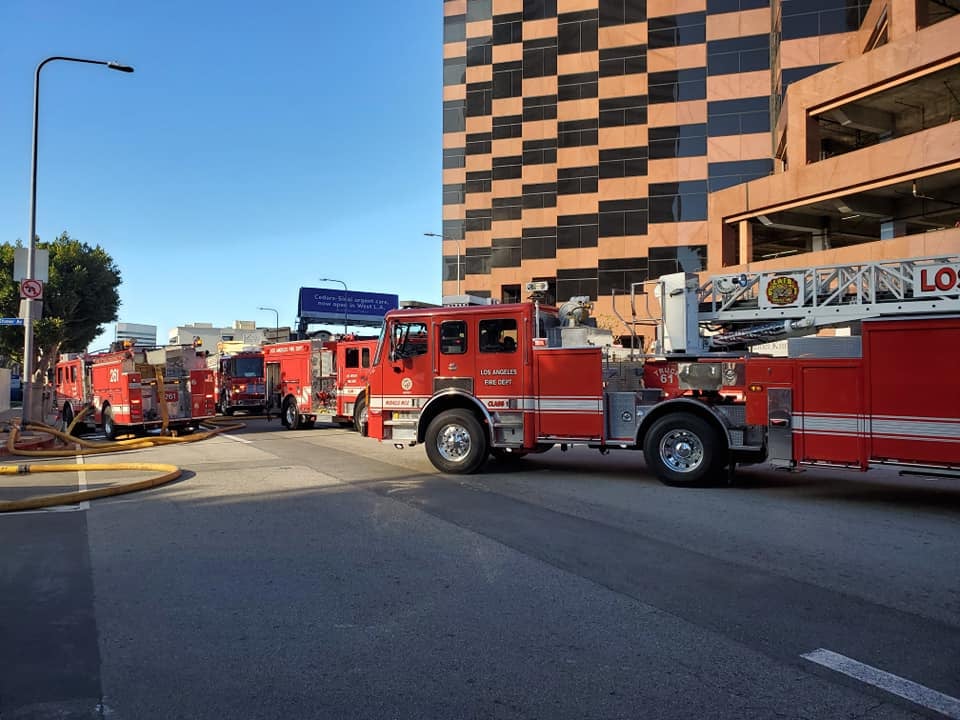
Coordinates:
(477, 261)
(575, 181)
(479, 99)
(454, 28)
(479, 10)
(619, 218)
(577, 231)
(479, 181)
(740, 54)
(725, 174)
(618, 112)
(540, 195)
(453, 229)
(454, 158)
(676, 30)
(479, 219)
(508, 168)
(577, 133)
(509, 208)
(576, 283)
(539, 152)
(509, 126)
(677, 85)
(742, 116)
(678, 202)
(677, 141)
(454, 71)
(622, 12)
(717, 7)
(540, 57)
(801, 18)
(577, 32)
(686, 258)
(623, 162)
(538, 242)
(542, 107)
(577, 87)
(629, 60)
(453, 116)
(478, 143)
(454, 194)
(507, 29)
(505, 252)
(508, 79)
(620, 273)
(479, 52)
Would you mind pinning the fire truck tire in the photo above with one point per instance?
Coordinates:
(109, 426)
(683, 449)
(360, 416)
(456, 442)
(291, 415)
(68, 418)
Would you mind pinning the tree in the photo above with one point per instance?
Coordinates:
(80, 297)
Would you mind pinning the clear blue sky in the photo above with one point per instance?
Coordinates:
(257, 148)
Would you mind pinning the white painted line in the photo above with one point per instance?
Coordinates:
(82, 483)
(239, 440)
(894, 684)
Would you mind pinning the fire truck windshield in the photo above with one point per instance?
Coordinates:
(247, 367)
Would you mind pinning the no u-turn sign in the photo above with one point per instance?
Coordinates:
(31, 289)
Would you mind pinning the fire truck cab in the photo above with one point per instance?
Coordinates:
(240, 382)
(509, 380)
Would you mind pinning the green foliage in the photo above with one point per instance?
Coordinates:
(80, 297)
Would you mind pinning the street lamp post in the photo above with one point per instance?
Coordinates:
(276, 332)
(28, 351)
(344, 299)
(459, 252)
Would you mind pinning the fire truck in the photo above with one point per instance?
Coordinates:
(309, 379)
(135, 390)
(513, 379)
(239, 378)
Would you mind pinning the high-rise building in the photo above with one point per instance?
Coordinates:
(595, 144)
(142, 335)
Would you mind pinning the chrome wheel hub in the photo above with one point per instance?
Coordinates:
(453, 443)
(681, 451)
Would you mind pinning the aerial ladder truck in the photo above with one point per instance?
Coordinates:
(700, 402)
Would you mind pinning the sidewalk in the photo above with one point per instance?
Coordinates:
(26, 439)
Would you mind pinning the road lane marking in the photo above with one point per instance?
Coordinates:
(239, 440)
(894, 684)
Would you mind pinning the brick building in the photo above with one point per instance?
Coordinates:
(598, 143)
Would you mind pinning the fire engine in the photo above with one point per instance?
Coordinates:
(239, 378)
(513, 379)
(134, 390)
(312, 378)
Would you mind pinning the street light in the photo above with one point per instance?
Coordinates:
(344, 299)
(459, 252)
(28, 369)
(276, 337)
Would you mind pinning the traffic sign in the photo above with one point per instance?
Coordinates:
(11, 321)
(31, 289)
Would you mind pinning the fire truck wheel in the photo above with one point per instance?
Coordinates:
(360, 416)
(683, 449)
(291, 415)
(68, 418)
(109, 426)
(224, 407)
(456, 442)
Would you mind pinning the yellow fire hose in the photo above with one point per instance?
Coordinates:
(170, 472)
(90, 447)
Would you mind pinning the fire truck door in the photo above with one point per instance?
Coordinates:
(455, 358)
(411, 371)
(272, 384)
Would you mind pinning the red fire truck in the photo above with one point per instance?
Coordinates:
(134, 390)
(313, 378)
(508, 380)
(239, 376)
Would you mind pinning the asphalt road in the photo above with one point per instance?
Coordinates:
(317, 574)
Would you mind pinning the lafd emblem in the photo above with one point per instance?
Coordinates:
(783, 290)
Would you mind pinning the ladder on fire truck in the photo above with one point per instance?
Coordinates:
(730, 312)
